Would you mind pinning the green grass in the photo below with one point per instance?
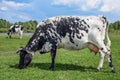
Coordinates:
(70, 65)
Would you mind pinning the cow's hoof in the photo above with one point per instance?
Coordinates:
(51, 68)
(98, 69)
(21, 67)
(113, 71)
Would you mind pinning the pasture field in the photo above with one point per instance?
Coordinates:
(70, 65)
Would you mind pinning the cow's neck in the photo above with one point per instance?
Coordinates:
(35, 43)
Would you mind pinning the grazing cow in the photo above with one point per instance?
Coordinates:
(15, 29)
(69, 32)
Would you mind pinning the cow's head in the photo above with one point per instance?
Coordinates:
(25, 58)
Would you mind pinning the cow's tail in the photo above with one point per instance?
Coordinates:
(108, 42)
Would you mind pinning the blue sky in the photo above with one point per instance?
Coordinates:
(24, 10)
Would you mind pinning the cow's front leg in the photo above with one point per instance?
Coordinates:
(53, 54)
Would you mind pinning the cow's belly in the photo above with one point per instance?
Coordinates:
(70, 46)
(76, 45)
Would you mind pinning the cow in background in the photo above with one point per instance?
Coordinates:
(15, 29)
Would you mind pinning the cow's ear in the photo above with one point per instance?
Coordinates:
(19, 50)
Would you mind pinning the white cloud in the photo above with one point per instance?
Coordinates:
(12, 4)
(110, 5)
(82, 4)
(3, 8)
(7, 5)
(24, 17)
(65, 2)
(91, 4)
(100, 5)
(14, 11)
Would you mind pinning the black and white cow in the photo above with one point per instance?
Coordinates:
(15, 29)
(69, 32)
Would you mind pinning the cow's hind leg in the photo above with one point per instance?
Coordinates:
(53, 55)
(109, 57)
(104, 51)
